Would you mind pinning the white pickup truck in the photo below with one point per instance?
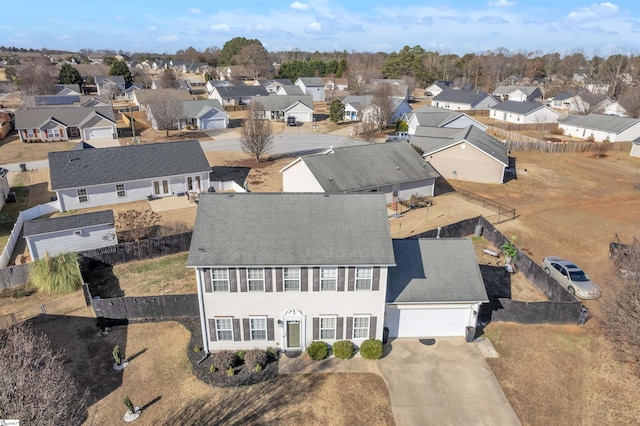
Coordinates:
(399, 136)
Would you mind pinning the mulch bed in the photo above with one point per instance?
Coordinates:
(243, 376)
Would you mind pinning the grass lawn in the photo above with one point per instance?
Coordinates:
(10, 211)
(12, 150)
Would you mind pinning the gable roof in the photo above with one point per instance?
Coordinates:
(241, 91)
(118, 79)
(229, 173)
(36, 117)
(277, 81)
(291, 89)
(270, 229)
(564, 96)
(607, 123)
(434, 139)
(87, 167)
(67, 222)
(198, 108)
(283, 102)
(310, 81)
(505, 90)
(470, 97)
(82, 145)
(358, 101)
(436, 119)
(435, 270)
(360, 167)
(523, 108)
(146, 96)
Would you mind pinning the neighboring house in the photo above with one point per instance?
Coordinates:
(273, 85)
(197, 87)
(128, 92)
(142, 98)
(206, 114)
(333, 83)
(437, 87)
(393, 168)
(635, 149)
(99, 177)
(216, 83)
(313, 86)
(237, 95)
(523, 113)
(363, 108)
(518, 93)
(569, 102)
(601, 127)
(316, 269)
(233, 72)
(616, 109)
(228, 178)
(78, 232)
(429, 116)
(597, 88)
(465, 100)
(6, 124)
(62, 124)
(110, 85)
(465, 154)
(67, 89)
(4, 186)
(290, 90)
(55, 101)
(435, 289)
(281, 107)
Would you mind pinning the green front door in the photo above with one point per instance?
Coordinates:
(293, 334)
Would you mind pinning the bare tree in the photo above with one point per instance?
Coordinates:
(254, 58)
(169, 79)
(382, 110)
(166, 111)
(612, 70)
(136, 225)
(257, 133)
(630, 100)
(34, 385)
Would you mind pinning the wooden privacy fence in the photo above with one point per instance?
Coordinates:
(568, 147)
(508, 135)
(147, 307)
(14, 275)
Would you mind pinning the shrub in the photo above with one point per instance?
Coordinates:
(255, 357)
(212, 369)
(231, 372)
(240, 356)
(117, 357)
(130, 407)
(257, 368)
(197, 349)
(224, 359)
(590, 138)
(343, 349)
(318, 350)
(557, 131)
(56, 274)
(371, 349)
(272, 353)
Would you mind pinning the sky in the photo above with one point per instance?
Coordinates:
(454, 26)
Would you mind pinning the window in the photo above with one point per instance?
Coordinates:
(220, 279)
(258, 328)
(328, 278)
(291, 278)
(255, 279)
(224, 329)
(53, 133)
(328, 328)
(193, 183)
(360, 327)
(82, 196)
(31, 134)
(363, 278)
(120, 190)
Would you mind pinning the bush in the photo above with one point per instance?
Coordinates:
(212, 369)
(231, 372)
(197, 349)
(240, 355)
(343, 349)
(56, 274)
(272, 353)
(590, 138)
(371, 349)
(557, 131)
(318, 350)
(224, 359)
(255, 357)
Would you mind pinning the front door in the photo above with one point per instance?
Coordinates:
(161, 187)
(293, 334)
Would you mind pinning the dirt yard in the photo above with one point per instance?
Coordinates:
(12, 150)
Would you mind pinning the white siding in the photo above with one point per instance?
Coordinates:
(544, 115)
(422, 188)
(298, 178)
(65, 241)
(465, 121)
(301, 112)
(628, 134)
(635, 150)
(468, 163)
(430, 320)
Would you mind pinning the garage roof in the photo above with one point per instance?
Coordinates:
(68, 222)
(435, 270)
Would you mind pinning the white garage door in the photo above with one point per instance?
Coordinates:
(430, 322)
(213, 124)
(98, 133)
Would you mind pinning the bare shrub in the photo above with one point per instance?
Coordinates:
(255, 357)
(366, 131)
(557, 131)
(224, 360)
(173, 228)
(135, 225)
(600, 149)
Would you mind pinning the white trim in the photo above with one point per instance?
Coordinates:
(335, 326)
(252, 329)
(353, 326)
(264, 286)
(293, 315)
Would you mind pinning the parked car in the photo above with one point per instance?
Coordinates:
(571, 277)
(291, 121)
(427, 93)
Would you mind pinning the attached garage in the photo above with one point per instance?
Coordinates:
(435, 289)
(98, 133)
(213, 123)
(302, 112)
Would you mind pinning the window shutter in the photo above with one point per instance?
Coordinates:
(349, 335)
(316, 328)
(373, 323)
(247, 329)
(268, 280)
(279, 279)
(341, 272)
(243, 279)
(270, 333)
(213, 335)
(233, 280)
(236, 330)
(375, 286)
(316, 279)
(352, 279)
(304, 279)
(339, 328)
(207, 280)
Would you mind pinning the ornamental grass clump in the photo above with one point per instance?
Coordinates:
(58, 274)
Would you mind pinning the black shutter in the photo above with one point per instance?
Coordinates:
(279, 280)
(341, 271)
(352, 279)
(316, 279)
(270, 333)
(207, 280)
(349, 335)
(213, 335)
(304, 279)
(316, 328)
(268, 280)
(236, 330)
(233, 280)
(373, 323)
(339, 328)
(375, 286)
(247, 329)
(243, 279)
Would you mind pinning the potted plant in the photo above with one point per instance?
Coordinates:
(133, 412)
(119, 364)
(510, 251)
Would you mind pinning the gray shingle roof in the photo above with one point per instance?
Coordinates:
(282, 102)
(434, 139)
(71, 116)
(518, 107)
(505, 90)
(67, 222)
(435, 270)
(362, 167)
(269, 229)
(229, 173)
(241, 91)
(607, 123)
(358, 101)
(436, 119)
(197, 108)
(563, 96)
(118, 79)
(87, 167)
(292, 89)
(146, 96)
(470, 97)
(311, 81)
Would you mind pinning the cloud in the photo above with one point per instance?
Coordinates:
(169, 38)
(299, 6)
(314, 27)
(501, 3)
(494, 20)
(195, 11)
(219, 27)
(594, 11)
(65, 37)
(151, 28)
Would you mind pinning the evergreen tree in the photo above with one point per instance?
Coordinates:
(69, 75)
(121, 68)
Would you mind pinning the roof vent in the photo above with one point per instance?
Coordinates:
(202, 249)
(398, 168)
(330, 178)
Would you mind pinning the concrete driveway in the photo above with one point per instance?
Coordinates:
(447, 383)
